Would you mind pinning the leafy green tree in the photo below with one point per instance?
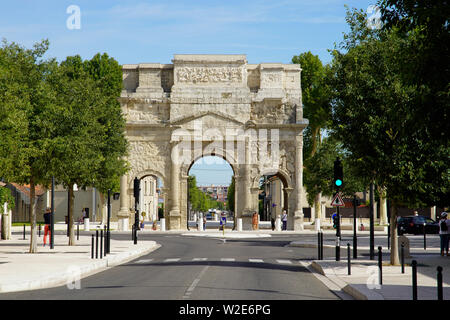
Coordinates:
(88, 144)
(376, 118)
(319, 171)
(25, 98)
(231, 205)
(316, 98)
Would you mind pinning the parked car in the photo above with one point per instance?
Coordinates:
(415, 225)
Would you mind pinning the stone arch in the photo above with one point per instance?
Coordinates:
(282, 174)
(145, 173)
(221, 153)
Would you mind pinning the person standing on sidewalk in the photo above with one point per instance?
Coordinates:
(47, 221)
(444, 226)
(284, 220)
(255, 221)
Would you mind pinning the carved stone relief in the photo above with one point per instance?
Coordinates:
(146, 154)
(195, 75)
(273, 113)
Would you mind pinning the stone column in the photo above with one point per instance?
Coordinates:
(174, 213)
(298, 214)
(246, 192)
(123, 214)
(433, 212)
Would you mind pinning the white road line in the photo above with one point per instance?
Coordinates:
(284, 261)
(228, 259)
(194, 283)
(199, 259)
(172, 260)
(256, 260)
(144, 261)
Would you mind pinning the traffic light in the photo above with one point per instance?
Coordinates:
(137, 189)
(338, 173)
(335, 221)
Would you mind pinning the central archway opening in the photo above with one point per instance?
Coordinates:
(272, 199)
(210, 192)
(151, 201)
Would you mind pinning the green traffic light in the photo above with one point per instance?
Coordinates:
(338, 182)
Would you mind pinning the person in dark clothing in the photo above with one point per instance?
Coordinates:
(47, 221)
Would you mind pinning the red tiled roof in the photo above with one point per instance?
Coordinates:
(25, 189)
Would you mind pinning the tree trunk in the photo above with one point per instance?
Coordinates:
(383, 207)
(70, 216)
(33, 240)
(103, 206)
(395, 260)
(318, 206)
(315, 136)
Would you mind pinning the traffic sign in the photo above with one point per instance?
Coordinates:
(223, 220)
(337, 201)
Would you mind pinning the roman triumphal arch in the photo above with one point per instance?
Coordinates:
(248, 114)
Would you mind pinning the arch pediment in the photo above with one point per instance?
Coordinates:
(215, 114)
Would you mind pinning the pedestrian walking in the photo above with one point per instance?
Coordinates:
(284, 220)
(204, 223)
(255, 221)
(444, 226)
(47, 221)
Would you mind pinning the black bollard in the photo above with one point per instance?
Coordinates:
(338, 249)
(318, 246)
(439, 284)
(23, 232)
(39, 230)
(349, 267)
(380, 266)
(101, 243)
(92, 247)
(78, 231)
(106, 241)
(321, 245)
(402, 257)
(424, 238)
(389, 235)
(414, 279)
(96, 244)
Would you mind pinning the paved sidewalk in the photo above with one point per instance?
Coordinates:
(363, 283)
(20, 270)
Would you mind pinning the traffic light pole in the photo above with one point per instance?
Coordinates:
(338, 236)
(372, 235)
(355, 239)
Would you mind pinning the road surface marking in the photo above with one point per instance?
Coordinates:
(194, 283)
(144, 261)
(199, 259)
(228, 259)
(284, 261)
(172, 260)
(256, 260)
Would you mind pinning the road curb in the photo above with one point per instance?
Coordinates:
(75, 272)
(358, 292)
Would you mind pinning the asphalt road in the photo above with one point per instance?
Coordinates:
(199, 268)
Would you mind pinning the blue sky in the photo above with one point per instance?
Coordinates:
(153, 31)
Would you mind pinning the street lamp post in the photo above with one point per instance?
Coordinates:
(52, 216)
(108, 234)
